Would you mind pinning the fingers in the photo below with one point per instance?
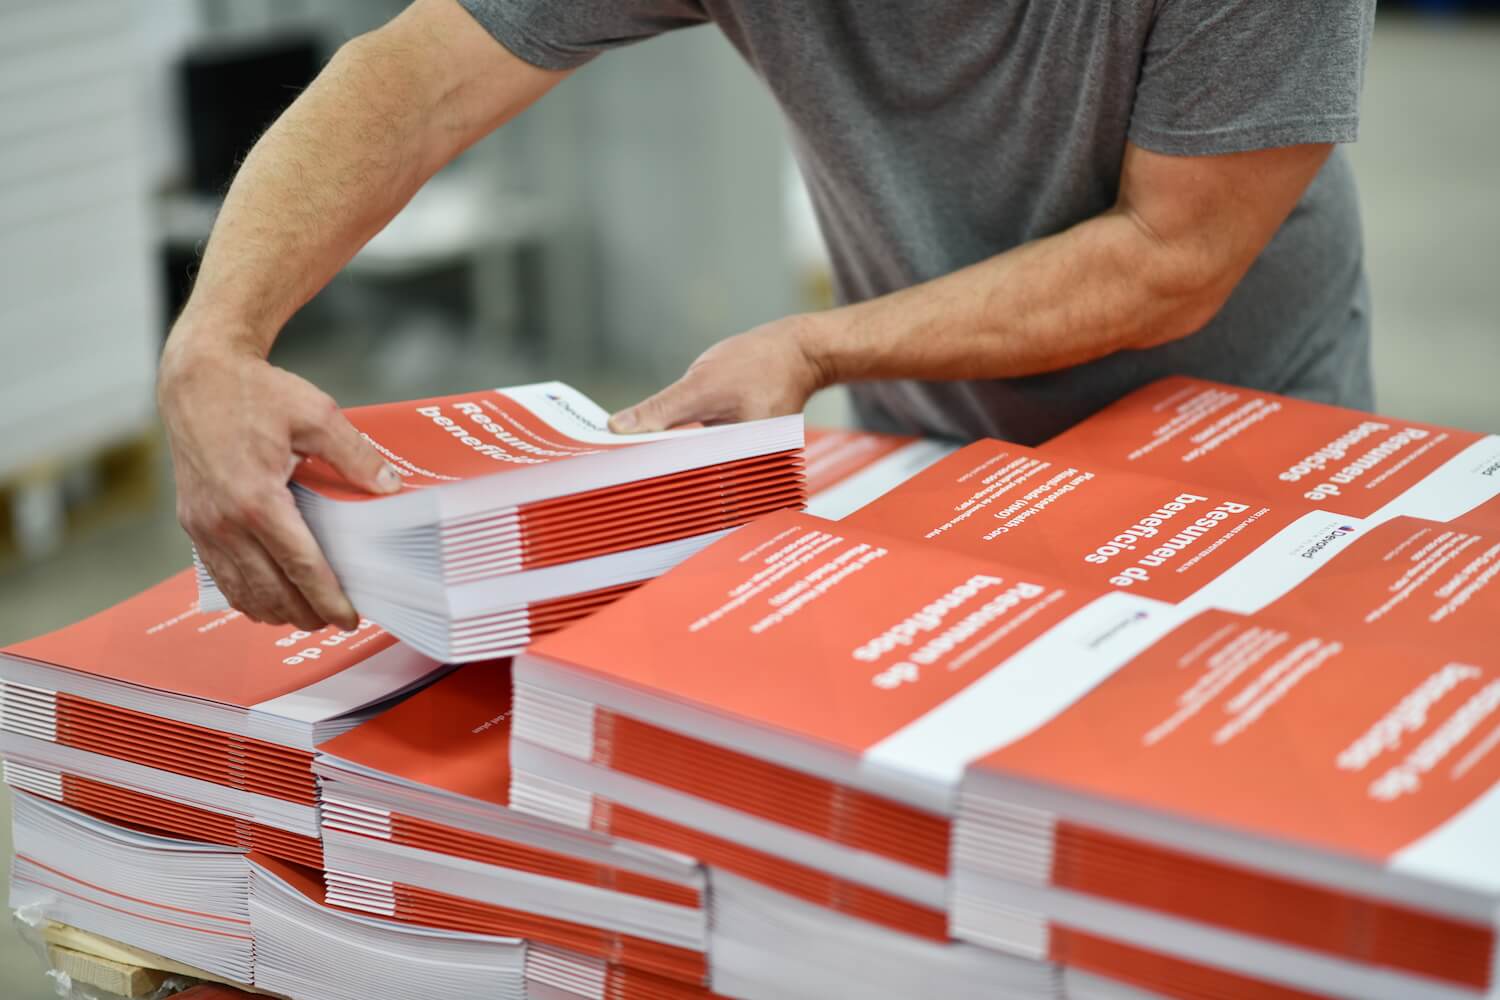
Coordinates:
(766, 372)
(265, 560)
(683, 402)
(252, 584)
(329, 435)
(225, 573)
(271, 597)
(288, 541)
(232, 484)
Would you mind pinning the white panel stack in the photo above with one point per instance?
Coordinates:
(768, 944)
(79, 316)
(304, 949)
(183, 899)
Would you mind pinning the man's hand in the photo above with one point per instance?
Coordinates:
(768, 372)
(238, 426)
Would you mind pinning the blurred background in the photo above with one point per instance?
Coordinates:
(644, 209)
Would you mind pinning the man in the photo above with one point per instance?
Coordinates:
(1033, 207)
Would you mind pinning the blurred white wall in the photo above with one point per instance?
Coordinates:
(1428, 163)
(682, 183)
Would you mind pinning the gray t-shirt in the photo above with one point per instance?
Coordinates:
(936, 134)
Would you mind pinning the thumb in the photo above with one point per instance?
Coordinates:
(679, 403)
(336, 441)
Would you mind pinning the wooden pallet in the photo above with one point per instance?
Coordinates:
(47, 503)
(117, 968)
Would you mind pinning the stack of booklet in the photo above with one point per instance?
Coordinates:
(200, 725)
(1277, 802)
(184, 900)
(309, 950)
(521, 512)
(1141, 799)
(257, 920)
(1199, 700)
(801, 759)
(846, 469)
(305, 949)
(1336, 550)
(767, 944)
(417, 825)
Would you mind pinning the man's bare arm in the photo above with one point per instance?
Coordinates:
(1156, 267)
(388, 111)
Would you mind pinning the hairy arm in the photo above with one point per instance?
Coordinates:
(387, 112)
(1155, 267)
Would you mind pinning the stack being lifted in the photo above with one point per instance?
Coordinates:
(520, 511)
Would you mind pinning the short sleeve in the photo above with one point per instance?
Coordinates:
(564, 34)
(1227, 76)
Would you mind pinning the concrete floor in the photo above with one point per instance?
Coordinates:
(1427, 163)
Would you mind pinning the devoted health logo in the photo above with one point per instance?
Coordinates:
(1129, 621)
(570, 410)
(1311, 552)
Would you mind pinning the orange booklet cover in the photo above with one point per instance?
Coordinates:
(1100, 527)
(449, 439)
(836, 635)
(854, 675)
(1425, 585)
(158, 641)
(1293, 452)
(1404, 580)
(452, 737)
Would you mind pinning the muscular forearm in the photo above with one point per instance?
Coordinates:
(1107, 284)
(1157, 266)
(1102, 286)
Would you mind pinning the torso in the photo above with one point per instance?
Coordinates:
(936, 135)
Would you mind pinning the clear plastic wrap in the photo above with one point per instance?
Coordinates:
(32, 923)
